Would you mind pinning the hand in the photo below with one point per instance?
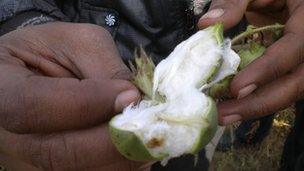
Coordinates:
(275, 80)
(60, 85)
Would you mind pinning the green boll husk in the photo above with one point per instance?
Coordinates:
(221, 89)
(253, 51)
(248, 55)
(130, 146)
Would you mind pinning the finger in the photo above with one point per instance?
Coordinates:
(41, 104)
(267, 5)
(266, 100)
(229, 12)
(280, 58)
(86, 50)
(81, 150)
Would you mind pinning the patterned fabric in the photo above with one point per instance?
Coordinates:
(23, 20)
(10, 8)
(36, 20)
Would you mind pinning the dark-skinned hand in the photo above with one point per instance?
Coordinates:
(60, 85)
(275, 80)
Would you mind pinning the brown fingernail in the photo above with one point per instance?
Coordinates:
(215, 13)
(227, 120)
(246, 91)
(125, 98)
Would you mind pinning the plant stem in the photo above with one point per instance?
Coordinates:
(256, 30)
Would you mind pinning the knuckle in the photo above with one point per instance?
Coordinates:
(89, 32)
(263, 108)
(300, 54)
(55, 154)
(121, 73)
(85, 109)
(48, 160)
(298, 82)
(116, 69)
(125, 84)
(98, 102)
(15, 113)
(257, 106)
(271, 65)
(298, 93)
(14, 125)
(32, 148)
(275, 71)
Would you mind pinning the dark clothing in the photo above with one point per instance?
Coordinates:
(156, 25)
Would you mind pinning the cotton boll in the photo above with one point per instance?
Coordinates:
(185, 119)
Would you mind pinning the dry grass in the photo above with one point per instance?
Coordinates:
(266, 156)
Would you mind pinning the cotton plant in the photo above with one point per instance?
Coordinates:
(177, 114)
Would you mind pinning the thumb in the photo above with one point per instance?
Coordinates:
(229, 12)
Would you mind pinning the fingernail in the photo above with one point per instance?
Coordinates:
(125, 98)
(246, 91)
(227, 120)
(215, 13)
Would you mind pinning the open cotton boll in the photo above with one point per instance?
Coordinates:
(185, 119)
